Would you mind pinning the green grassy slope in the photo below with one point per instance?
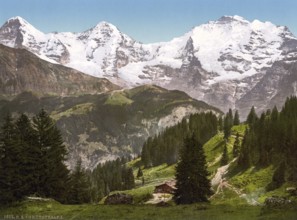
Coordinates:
(54, 210)
(250, 183)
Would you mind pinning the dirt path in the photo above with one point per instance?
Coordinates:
(221, 182)
(159, 197)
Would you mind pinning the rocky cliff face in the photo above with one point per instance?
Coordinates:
(22, 71)
(103, 127)
(224, 62)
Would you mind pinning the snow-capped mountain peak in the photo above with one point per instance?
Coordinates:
(17, 31)
(104, 25)
(228, 19)
(230, 46)
(18, 19)
(218, 62)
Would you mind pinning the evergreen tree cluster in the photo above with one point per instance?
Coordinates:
(78, 186)
(192, 184)
(164, 147)
(228, 122)
(272, 139)
(111, 176)
(32, 156)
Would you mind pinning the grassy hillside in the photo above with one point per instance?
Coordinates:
(54, 210)
(103, 212)
(247, 186)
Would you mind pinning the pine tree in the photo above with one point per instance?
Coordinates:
(252, 116)
(10, 175)
(278, 177)
(236, 120)
(221, 124)
(236, 146)
(30, 154)
(139, 173)
(129, 179)
(78, 187)
(230, 114)
(53, 173)
(244, 159)
(192, 184)
(228, 122)
(224, 159)
(274, 114)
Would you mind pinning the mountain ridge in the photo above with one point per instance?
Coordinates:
(22, 71)
(218, 62)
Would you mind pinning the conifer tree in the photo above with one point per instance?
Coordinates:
(244, 159)
(53, 173)
(236, 146)
(221, 124)
(278, 177)
(224, 159)
(129, 179)
(252, 116)
(192, 184)
(236, 120)
(139, 173)
(10, 154)
(228, 122)
(230, 114)
(78, 189)
(274, 114)
(30, 154)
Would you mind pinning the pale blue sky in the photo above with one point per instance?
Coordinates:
(145, 20)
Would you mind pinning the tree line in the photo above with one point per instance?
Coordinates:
(164, 147)
(271, 139)
(111, 176)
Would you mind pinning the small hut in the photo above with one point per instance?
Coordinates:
(167, 187)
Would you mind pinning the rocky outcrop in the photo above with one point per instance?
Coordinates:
(276, 201)
(292, 191)
(118, 198)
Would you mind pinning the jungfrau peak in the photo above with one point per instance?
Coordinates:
(229, 63)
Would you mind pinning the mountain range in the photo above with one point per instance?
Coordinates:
(228, 63)
(99, 121)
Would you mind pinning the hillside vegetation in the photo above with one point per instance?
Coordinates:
(102, 127)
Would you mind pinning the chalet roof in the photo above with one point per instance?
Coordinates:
(170, 183)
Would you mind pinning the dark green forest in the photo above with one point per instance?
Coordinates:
(32, 163)
(164, 147)
(32, 156)
(272, 139)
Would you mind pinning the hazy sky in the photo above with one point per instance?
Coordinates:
(145, 20)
